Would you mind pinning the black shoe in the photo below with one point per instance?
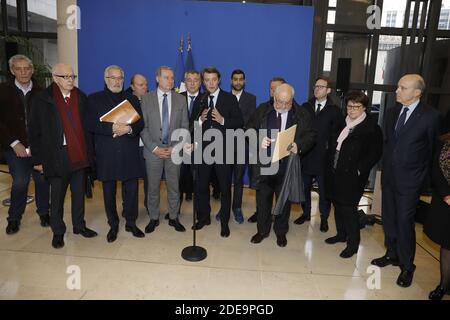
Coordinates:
(281, 240)
(45, 220)
(302, 219)
(151, 226)
(405, 278)
(384, 261)
(85, 232)
(348, 253)
(135, 231)
(12, 227)
(253, 218)
(188, 197)
(224, 230)
(177, 225)
(257, 238)
(438, 293)
(323, 225)
(58, 241)
(112, 234)
(335, 239)
(200, 224)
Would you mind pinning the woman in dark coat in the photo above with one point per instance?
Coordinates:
(437, 225)
(349, 161)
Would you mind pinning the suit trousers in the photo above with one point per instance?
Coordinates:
(21, 169)
(224, 179)
(324, 203)
(130, 201)
(347, 223)
(238, 185)
(155, 167)
(399, 209)
(270, 186)
(58, 188)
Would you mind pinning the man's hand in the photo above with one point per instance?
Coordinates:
(39, 168)
(120, 129)
(162, 153)
(293, 148)
(266, 142)
(21, 151)
(204, 115)
(217, 117)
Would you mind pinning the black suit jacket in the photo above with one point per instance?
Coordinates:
(46, 133)
(196, 109)
(407, 156)
(247, 104)
(328, 124)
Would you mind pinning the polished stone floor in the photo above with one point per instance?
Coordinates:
(152, 267)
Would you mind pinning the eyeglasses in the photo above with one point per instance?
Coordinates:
(115, 78)
(320, 87)
(66, 77)
(354, 107)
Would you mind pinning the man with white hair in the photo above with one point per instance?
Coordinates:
(116, 147)
(16, 98)
(61, 149)
(281, 116)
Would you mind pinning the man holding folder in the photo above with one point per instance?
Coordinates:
(283, 115)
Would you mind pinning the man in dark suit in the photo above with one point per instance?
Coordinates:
(273, 84)
(247, 104)
(328, 121)
(116, 152)
(283, 115)
(411, 130)
(16, 98)
(62, 149)
(221, 112)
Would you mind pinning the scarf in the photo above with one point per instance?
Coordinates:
(73, 129)
(444, 161)
(350, 125)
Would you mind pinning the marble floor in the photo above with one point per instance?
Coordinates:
(152, 267)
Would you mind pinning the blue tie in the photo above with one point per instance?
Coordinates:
(165, 120)
(191, 104)
(401, 120)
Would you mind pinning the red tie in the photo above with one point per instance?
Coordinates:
(67, 99)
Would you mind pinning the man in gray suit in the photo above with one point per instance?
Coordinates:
(164, 111)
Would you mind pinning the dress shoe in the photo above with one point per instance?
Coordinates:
(58, 241)
(85, 232)
(348, 253)
(302, 219)
(438, 293)
(151, 226)
(45, 220)
(238, 216)
(112, 234)
(335, 239)
(224, 230)
(200, 224)
(384, 261)
(253, 218)
(257, 238)
(188, 197)
(135, 231)
(323, 225)
(281, 240)
(405, 278)
(177, 225)
(12, 227)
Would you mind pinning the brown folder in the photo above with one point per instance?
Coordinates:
(122, 113)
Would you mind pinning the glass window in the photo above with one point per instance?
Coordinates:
(327, 61)
(42, 16)
(11, 8)
(332, 3)
(444, 18)
(386, 44)
(331, 17)
(352, 12)
(440, 65)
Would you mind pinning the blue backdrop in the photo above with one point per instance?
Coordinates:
(140, 35)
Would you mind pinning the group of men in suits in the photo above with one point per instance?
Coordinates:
(55, 135)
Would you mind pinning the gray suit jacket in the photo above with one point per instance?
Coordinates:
(151, 134)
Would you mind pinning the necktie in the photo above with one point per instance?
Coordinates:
(401, 120)
(211, 107)
(191, 104)
(67, 99)
(279, 121)
(318, 109)
(165, 120)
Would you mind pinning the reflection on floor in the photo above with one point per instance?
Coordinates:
(152, 268)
